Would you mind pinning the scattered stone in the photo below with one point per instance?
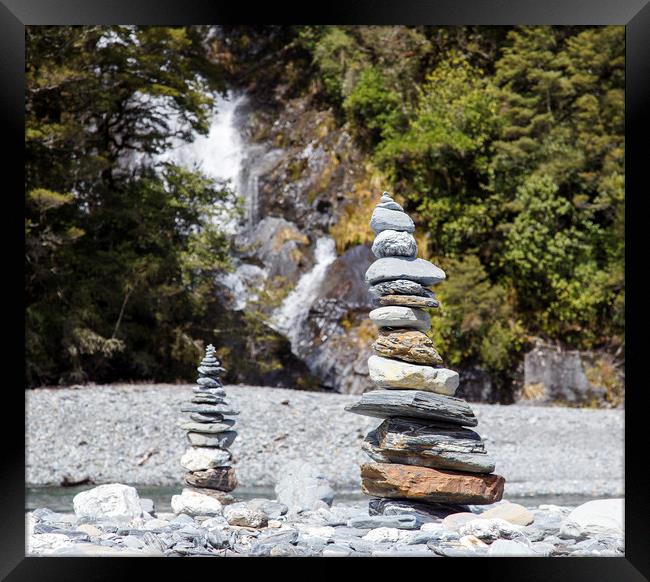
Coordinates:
(409, 346)
(193, 503)
(112, 501)
(302, 486)
(274, 509)
(416, 404)
(511, 512)
(388, 521)
(90, 530)
(599, 517)
(511, 548)
(399, 317)
(426, 484)
(337, 551)
(490, 529)
(455, 521)
(472, 542)
(424, 513)
(382, 534)
(395, 243)
(387, 373)
(417, 270)
(243, 515)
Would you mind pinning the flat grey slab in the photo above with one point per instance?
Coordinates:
(417, 270)
(414, 404)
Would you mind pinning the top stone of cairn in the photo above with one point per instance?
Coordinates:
(388, 215)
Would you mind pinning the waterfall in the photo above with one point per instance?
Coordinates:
(219, 154)
(291, 315)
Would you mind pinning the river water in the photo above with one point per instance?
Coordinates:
(60, 498)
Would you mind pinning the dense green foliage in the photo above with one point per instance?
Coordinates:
(509, 144)
(116, 246)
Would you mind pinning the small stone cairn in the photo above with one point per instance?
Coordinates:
(210, 433)
(425, 456)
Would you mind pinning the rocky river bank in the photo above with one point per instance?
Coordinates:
(132, 434)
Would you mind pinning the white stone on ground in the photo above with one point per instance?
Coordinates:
(194, 503)
(113, 501)
(599, 517)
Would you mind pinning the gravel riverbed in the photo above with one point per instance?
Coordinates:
(130, 434)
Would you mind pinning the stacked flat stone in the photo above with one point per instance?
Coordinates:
(423, 450)
(209, 431)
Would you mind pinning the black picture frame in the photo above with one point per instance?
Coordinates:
(634, 14)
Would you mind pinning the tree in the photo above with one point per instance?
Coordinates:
(116, 245)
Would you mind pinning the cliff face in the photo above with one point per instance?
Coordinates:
(297, 170)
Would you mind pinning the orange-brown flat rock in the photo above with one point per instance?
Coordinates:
(407, 345)
(427, 484)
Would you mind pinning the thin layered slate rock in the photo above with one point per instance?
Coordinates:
(414, 404)
(388, 373)
(407, 452)
(400, 317)
(427, 484)
(418, 270)
(400, 287)
(221, 478)
(407, 301)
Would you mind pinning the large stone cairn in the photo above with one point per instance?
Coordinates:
(210, 432)
(424, 454)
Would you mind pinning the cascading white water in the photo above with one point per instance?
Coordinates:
(219, 155)
(291, 315)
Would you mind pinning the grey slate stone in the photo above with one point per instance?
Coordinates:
(417, 270)
(387, 219)
(400, 287)
(395, 243)
(414, 404)
(374, 521)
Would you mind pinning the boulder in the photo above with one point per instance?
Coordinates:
(303, 487)
(598, 517)
(108, 502)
